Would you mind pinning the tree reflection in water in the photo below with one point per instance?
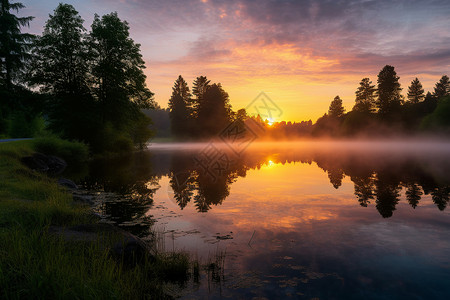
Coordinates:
(128, 184)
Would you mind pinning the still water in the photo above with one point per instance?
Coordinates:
(322, 220)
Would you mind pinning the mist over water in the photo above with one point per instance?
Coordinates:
(297, 220)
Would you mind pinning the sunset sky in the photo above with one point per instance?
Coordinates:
(300, 53)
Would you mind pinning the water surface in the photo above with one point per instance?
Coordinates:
(328, 220)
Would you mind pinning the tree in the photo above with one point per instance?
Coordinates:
(214, 112)
(442, 87)
(389, 97)
(336, 109)
(199, 88)
(415, 92)
(60, 55)
(14, 44)
(60, 68)
(365, 96)
(180, 112)
(119, 80)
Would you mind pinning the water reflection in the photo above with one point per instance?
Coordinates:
(320, 221)
(378, 177)
(124, 188)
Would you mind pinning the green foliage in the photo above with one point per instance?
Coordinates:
(72, 152)
(21, 127)
(439, 119)
(110, 140)
(141, 132)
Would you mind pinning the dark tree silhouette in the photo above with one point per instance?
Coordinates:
(388, 91)
(199, 88)
(214, 112)
(336, 110)
(413, 194)
(180, 113)
(365, 96)
(336, 175)
(14, 44)
(387, 195)
(182, 184)
(440, 197)
(60, 68)
(118, 71)
(442, 87)
(415, 92)
(364, 189)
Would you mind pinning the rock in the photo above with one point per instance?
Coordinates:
(36, 162)
(56, 165)
(67, 183)
(46, 164)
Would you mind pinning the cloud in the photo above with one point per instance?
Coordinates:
(292, 45)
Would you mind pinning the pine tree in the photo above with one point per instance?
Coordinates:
(442, 87)
(179, 106)
(415, 92)
(14, 44)
(365, 96)
(336, 109)
(200, 85)
(388, 91)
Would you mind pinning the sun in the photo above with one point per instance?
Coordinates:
(269, 122)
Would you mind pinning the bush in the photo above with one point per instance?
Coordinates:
(72, 152)
(439, 119)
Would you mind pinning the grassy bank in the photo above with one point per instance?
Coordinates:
(36, 264)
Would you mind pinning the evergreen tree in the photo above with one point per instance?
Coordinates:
(389, 97)
(365, 96)
(415, 92)
(180, 112)
(14, 44)
(336, 109)
(200, 85)
(442, 87)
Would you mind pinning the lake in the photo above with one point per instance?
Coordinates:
(304, 220)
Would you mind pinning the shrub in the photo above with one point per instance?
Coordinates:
(70, 151)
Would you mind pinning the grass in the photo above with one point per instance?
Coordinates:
(36, 264)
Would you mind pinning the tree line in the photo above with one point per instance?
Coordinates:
(382, 109)
(379, 110)
(87, 86)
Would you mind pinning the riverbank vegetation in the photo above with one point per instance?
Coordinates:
(34, 263)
